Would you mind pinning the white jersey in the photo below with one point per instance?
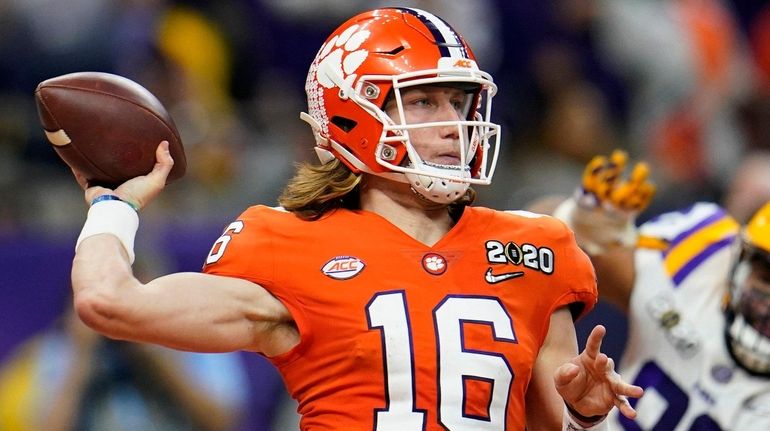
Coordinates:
(676, 348)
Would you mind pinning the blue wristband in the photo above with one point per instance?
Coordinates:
(113, 198)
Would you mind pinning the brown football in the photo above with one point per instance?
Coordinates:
(106, 126)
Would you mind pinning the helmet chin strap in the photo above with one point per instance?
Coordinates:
(435, 189)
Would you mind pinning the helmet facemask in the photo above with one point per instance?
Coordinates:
(437, 182)
(478, 137)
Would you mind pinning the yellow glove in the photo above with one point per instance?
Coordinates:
(602, 178)
(603, 210)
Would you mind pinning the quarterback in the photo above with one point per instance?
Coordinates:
(385, 300)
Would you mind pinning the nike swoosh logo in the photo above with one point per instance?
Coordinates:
(497, 278)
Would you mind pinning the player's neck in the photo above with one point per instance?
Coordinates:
(423, 221)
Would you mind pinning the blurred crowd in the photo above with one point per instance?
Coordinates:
(683, 84)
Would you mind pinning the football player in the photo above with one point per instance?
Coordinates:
(386, 301)
(696, 289)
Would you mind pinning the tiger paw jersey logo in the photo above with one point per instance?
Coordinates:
(341, 56)
(434, 263)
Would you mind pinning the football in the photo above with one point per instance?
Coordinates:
(106, 126)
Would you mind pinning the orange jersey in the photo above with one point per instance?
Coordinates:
(396, 335)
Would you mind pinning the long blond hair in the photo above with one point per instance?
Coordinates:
(317, 189)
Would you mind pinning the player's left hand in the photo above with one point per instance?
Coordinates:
(589, 383)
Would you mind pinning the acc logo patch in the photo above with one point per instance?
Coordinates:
(343, 267)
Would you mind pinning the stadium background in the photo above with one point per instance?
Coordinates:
(232, 75)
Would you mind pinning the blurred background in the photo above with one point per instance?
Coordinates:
(683, 84)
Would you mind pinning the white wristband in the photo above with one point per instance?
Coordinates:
(569, 424)
(113, 217)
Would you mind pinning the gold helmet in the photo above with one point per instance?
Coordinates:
(748, 304)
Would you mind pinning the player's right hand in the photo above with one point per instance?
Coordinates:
(589, 383)
(141, 190)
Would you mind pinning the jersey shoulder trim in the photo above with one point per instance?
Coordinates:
(541, 221)
(687, 238)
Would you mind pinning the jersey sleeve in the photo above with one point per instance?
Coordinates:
(243, 250)
(687, 238)
(246, 250)
(669, 226)
(576, 272)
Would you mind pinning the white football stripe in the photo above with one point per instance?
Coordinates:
(58, 138)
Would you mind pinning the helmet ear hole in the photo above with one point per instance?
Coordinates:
(346, 124)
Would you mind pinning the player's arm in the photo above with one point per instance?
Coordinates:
(541, 394)
(615, 267)
(615, 275)
(602, 213)
(187, 311)
(587, 382)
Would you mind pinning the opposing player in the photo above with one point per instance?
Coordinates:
(696, 287)
(386, 301)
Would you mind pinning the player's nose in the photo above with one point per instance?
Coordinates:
(448, 112)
